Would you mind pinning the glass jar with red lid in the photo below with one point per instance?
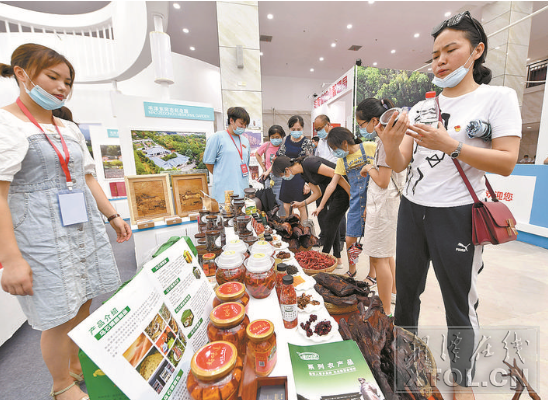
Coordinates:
(228, 322)
(215, 372)
(261, 346)
(260, 277)
(231, 292)
(230, 267)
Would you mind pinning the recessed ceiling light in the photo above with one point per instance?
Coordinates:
(321, 58)
(185, 30)
(333, 44)
(448, 13)
(528, 59)
(416, 35)
(349, 26)
(192, 48)
(311, 69)
(374, 64)
(370, 2)
(393, 51)
(528, 127)
(176, 6)
(270, 16)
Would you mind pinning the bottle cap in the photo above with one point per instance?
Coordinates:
(281, 267)
(287, 279)
(430, 95)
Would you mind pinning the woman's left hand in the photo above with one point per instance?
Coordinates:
(122, 228)
(297, 204)
(432, 138)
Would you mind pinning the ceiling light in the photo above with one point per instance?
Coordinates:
(321, 58)
(374, 64)
(349, 26)
(416, 35)
(270, 16)
(393, 51)
(192, 48)
(185, 30)
(528, 127)
(176, 6)
(311, 69)
(447, 14)
(528, 59)
(333, 44)
(429, 69)
(261, 53)
(370, 2)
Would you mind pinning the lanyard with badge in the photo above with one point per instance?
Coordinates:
(243, 165)
(71, 202)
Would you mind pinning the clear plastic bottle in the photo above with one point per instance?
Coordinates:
(288, 303)
(281, 272)
(429, 110)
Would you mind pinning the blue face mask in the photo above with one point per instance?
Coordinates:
(288, 178)
(455, 77)
(276, 142)
(238, 131)
(296, 134)
(42, 98)
(368, 135)
(340, 153)
(322, 134)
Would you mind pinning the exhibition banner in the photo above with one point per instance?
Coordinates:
(166, 110)
(143, 338)
(517, 192)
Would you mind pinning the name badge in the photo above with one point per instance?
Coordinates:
(244, 169)
(72, 205)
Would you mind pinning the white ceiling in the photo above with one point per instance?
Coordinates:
(303, 31)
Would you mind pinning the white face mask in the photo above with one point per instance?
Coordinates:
(455, 77)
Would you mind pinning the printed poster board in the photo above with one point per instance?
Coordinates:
(144, 337)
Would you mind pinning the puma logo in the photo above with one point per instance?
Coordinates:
(462, 248)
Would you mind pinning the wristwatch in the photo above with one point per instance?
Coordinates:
(456, 152)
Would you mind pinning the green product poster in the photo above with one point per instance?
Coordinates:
(332, 371)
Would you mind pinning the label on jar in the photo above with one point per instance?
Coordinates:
(230, 287)
(265, 361)
(260, 327)
(228, 311)
(289, 312)
(214, 355)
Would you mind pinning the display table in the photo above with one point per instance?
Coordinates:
(11, 315)
(269, 308)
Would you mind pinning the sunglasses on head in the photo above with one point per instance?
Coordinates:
(454, 21)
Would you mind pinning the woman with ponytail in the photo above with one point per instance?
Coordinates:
(318, 172)
(435, 216)
(54, 249)
(383, 200)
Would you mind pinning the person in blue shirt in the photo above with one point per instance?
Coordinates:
(226, 156)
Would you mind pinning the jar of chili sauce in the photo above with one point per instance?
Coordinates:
(215, 372)
(261, 346)
(260, 277)
(281, 271)
(231, 292)
(228, 322)
(208, 264)
(230, 267)
(288, 303)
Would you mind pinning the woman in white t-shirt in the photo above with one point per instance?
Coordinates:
(434, 221)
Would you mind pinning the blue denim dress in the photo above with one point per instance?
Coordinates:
(358, 198)
(71, 264)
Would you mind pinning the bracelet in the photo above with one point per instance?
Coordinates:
(112, 217)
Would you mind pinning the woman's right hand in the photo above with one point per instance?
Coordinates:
(317, 211)
(17, 277)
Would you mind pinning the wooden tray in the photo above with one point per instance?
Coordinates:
(316, 271)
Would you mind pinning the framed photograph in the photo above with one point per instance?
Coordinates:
(187, 192)
(113, 166)
(149, 197)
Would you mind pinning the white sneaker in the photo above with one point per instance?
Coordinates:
(393, 301)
